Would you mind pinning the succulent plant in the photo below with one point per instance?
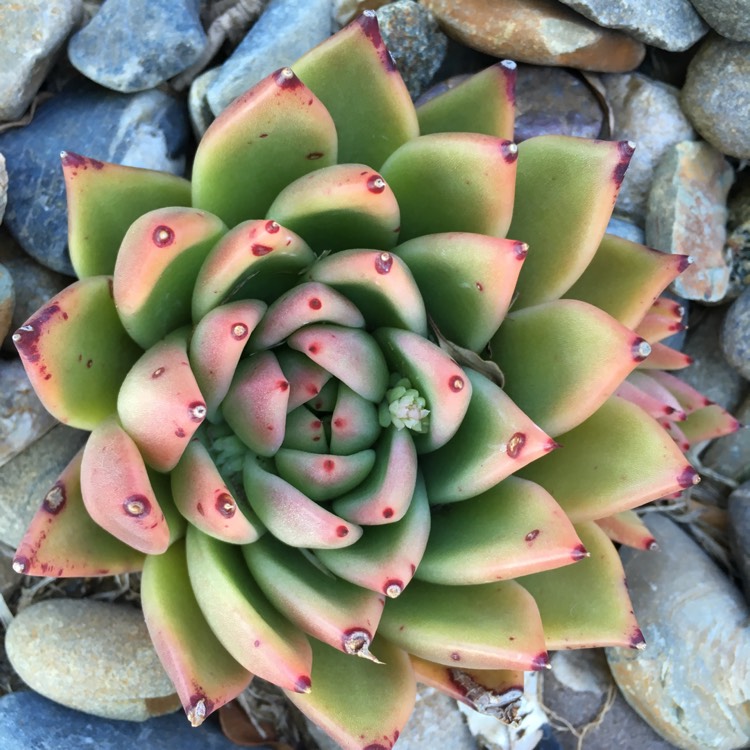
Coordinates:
(368, 397)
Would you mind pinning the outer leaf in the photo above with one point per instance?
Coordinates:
(467, 281)
(332, 610)
(160, 404)
(385, 558)
(513, 529)
(76, 353)
(655, 327)
(586, 605)
(617, 459)
(382, 120)
(117, 490)
(343, 206)
(494, 440)
(202, 671)
(563, 359)
(453, 182)
(572, 183)
(267, 138)
(63, 540)
(627, 528)
(492, 626)
(361, 705)
(156, 269)
(624, 278)
(241, 617)
(484, 103)
(708, 423)
(663, 357)
(104, 200)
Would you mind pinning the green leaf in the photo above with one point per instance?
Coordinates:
(483, 103)
(305, 431)
(202, 671)
(76, 353)
(514, 528)
(354, 422)
(104, 200)
(562, 360)
(617, 459)
(565, 191)
(453, 182)
(352, 62)
(268, 137)
(586, 605)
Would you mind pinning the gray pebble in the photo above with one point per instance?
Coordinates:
(626, 229)
(284, 32)
(7, 301)
(716, 95)
(731, 18)
(3, 187)
(739, 533)
(31, 33)
(735, 334)
(692, 682)
(201, 115)
(669, 24)
(94, 656)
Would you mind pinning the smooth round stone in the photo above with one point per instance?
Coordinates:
(7, 301)
(669, 24)
(687, 215)
(731, 18)
(543, 32)
(201, 115)
(648, 113)
(94, 656)
(26, 479)
(412, 36)
(31, 34)
(626, 230)
(716, 95)
(3, 187)
(728, 455)
(735, 335)
(692, 682)
(28, 720)
(739, 533)
(553, 101)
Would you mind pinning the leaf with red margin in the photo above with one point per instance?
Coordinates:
(628, 529)
(339, 70)
(104, 200)
(617, 459)
(361, 705)
(586, 605)
(64, 541)
(202, 671)
(268, 137)
(710, 422)
(664, 357)
(76, 353)
(565, 190)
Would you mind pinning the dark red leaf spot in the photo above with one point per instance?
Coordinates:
(540, 661)
(316, 439)
(636, 639)
(286, 79)
(509, 151)
(163, 236)
(263, 135)
(516, 443)
(283, 385)
(260, 250)
(456, 656)
(626, 150)
(313, 349)
(551, 445)
(303, 684)
(342, 531)
(478, 285)
(316, 424)
(375, 183)
(685, 262)
(314, 155)
(383, 263)
(157, 373)
(315, 303)
(256, 643)
(48, 376)
(199, 508)
(137, 506)
(89, 363)
(272, 227)
(225, 505)
(456, 383)
(179, 432)
(413, 569)
(339, 423)
(532, 535)
(520, 249)
(688, 477)
(387, 512)
(329, 465)
(579, 553)
(239, 331)
(65, 316)
(54, 500)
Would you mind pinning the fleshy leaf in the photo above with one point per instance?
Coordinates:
(330, 609)
(76, 353)
(244, 621)
(484, 103)
(494, 440)
(160, 404)
(628, 529)
(379, 284)
(491, 626)
(657, 400)
(255, 260)
(361, 705)
(710, 422)
(354, 422)
(467, 281)
(202, 671)
(117, 490)
(306, 379)
(268, 137)
(563, 359)
(63, 540)
(565, 190)
(663, 357)
(339, 70)
(453, 182)
(156, 269)
(624, 278)
(290, 515)
(385, 558)
(655, 327)
(385, 495)
(204, 499)
(617, 459)
(586, 605)
(104, 200)
(305, 431)
(339, 207)
(513, 529)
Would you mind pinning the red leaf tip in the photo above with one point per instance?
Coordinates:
(540, 661)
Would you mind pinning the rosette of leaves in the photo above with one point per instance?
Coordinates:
(353, 395)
